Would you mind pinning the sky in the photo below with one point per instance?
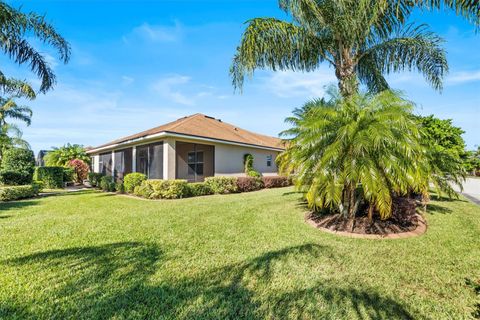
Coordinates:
(139, 64)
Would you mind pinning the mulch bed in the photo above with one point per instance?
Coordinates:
(404, 220)
(361, 225)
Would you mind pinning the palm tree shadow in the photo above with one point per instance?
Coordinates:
(435, 208)
(114, 281)
(16, 205)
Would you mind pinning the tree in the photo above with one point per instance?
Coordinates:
(361, 39)
(11, 134)
(63, 155)
(364, 149)
(446, 152)
(16, 28)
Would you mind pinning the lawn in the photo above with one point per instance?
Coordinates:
(95, 255)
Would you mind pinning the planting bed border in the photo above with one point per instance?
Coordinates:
(421, 229)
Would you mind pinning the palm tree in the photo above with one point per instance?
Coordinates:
(361, 39)
(10, 133)
(363, 150)
(15, 29)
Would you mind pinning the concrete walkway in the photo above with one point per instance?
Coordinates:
(471, 189)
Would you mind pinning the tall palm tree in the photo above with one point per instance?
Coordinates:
(361, 39)
(364, 149)
(15, 29)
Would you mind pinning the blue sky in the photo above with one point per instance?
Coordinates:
(139, 64)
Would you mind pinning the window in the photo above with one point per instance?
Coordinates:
(150, 160)
(195, 163)
(123, 163)
(269, 160)
(105, 164)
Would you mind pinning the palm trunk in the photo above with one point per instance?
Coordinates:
(370, 212)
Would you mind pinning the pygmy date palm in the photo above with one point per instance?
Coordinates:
(362, 150)
(362, 40)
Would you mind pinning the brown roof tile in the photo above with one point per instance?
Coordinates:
(200, 125)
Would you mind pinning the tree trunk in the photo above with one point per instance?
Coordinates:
(370, 212)
(346, 74)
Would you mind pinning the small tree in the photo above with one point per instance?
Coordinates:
(80, 170)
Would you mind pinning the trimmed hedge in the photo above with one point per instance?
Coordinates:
(199, 189)
(276, 181)
(52, 177)
(17, 166)
(222, 185)
(132, 180)
(163, 189)
(11, 193)
(68, 174)
(247, 184)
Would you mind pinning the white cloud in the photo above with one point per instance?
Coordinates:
(167, 88)
(464, 76)
(287, 84)
(126, 80)
(155, 33)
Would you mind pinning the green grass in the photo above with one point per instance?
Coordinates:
(89, 255)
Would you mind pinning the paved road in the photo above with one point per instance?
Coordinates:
(471, 189)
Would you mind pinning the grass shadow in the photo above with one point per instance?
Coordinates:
(435, 208)
(114, 281)
(18, 204)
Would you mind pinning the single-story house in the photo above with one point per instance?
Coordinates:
(191, 148)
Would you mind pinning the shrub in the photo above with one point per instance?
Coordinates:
(52, 177)
(94, 179)
(144, 190)
(163, 189)
(68, 174)
(276, 181)
(107, 184)
(248, 164)
(119, 187)
(80, 170)
(11, 193)
(133, 180)
(254, 174)
(222, 184)
(199, 189)
(17, 166)
(247, 184)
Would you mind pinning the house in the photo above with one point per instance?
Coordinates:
(191, 148)
(39, 161)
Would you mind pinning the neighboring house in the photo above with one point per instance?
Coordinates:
(41, 155)
(190, 148)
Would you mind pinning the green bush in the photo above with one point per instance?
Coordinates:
(68, 174)
(52, 177)
(199, 189)
(163, 189)
(133, 180)
(221, 185)
(248, 164)
(94, 179)
(11, 193)
(17, 166)
(144, 190)
(119, 187)
(247, 184)
(107, 184)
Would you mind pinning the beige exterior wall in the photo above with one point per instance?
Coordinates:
(169, 161)
(229, 160)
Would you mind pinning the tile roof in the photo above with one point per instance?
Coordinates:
(200, 125)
